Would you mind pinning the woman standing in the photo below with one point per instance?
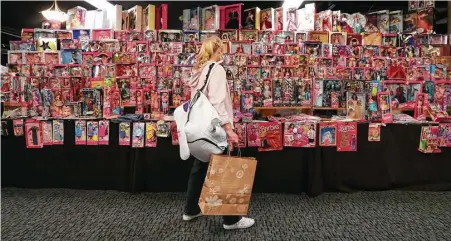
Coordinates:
(218, 94)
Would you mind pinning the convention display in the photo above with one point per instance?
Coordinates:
(369, 67)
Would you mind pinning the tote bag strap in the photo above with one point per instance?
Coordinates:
(207, 77)
(197, 95)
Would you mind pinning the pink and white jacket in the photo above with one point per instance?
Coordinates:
(217, 91)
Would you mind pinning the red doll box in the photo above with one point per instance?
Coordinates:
(151, 134)
(248, 35)
(346, 136)
(327, 133)
(429, 141)
(338, 38)
(270, 136)
(354, 39)
(47, 136)
(102, 34)
(18, 127)
(396, 69)
(384, 106)
(33, 134)
(240, 129)
(174, 134)
(51, 58)
(267, 19)
(230, 16)
(126, 70)
(80, 132)
(147, 70)
(27, 34)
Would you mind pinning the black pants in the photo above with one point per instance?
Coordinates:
(195, 183)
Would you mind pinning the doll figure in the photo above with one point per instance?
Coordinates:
(164, 102)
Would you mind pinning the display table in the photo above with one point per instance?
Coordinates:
(392, 163)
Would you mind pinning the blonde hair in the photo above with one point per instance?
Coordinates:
(209, 47)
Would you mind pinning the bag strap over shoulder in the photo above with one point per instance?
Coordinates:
(197, 95)
(206, 78)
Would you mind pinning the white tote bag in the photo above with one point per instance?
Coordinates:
(199, 127)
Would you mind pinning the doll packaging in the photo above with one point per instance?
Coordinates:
(290, 21)
(429, 141)
(270, 134)
(33, 134)
(251, 18)
(211, 18)
(138, 134)
(80, 132)
(148, 18)
(151, 134)
(47, 132)
(104, 130)
(374, 132)
(267, 19)
(346, 136)
(230, 16)
(192, 19)
(327, 133)
(76, 18)
(300, 134)
(18, 126)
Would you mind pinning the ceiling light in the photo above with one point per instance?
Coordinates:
(54, 13)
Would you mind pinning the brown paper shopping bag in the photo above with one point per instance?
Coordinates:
(228, 185)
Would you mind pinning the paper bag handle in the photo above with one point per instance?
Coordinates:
(238, 152)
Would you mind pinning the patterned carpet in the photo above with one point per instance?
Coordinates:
(59, 214)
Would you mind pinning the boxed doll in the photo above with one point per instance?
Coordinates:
(210, 18)
(230, 16)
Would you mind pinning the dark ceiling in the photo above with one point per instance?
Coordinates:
(16, 15)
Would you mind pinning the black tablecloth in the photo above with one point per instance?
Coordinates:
(392, 163)
(68, 165)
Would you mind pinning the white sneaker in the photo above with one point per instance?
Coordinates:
(191, 217)
(243, 223)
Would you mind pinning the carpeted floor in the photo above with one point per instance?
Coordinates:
(59, 214)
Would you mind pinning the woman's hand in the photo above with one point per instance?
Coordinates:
(232, 137)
